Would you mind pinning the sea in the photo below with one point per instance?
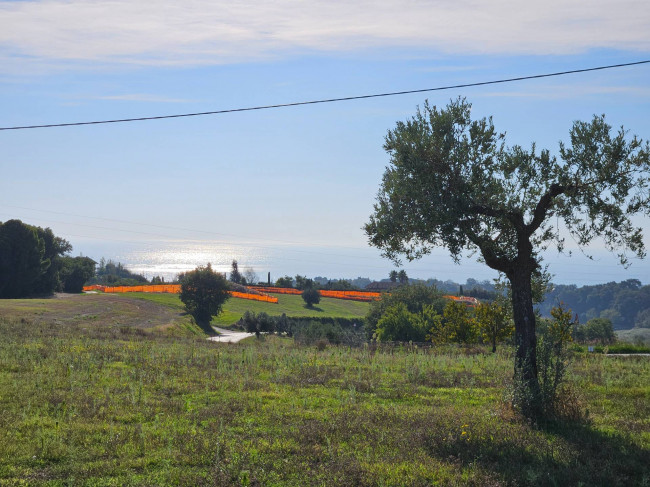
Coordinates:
(167, 258)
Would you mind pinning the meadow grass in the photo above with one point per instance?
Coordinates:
(291, 305)
(90, 402)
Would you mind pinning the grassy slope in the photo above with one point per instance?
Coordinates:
(100, 310)
(90, 402)
(289, 304)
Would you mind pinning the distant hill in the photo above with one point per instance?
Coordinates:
(626, 303)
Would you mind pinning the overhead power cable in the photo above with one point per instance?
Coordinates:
(329, 100)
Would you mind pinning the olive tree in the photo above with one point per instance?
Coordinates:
(311, 296)
(453, 183)
(203, 292)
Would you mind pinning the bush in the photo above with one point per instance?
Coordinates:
(596, 329)
(204, 292)
(311, 296)
(414, 297)
(398, 324)
(260, 323)
(554, 399)
(309, 332)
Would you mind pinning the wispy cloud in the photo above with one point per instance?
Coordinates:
(196, 32)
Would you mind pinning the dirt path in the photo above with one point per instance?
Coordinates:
(229, 336)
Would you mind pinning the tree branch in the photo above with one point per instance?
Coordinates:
(492, 260)
(544, 203)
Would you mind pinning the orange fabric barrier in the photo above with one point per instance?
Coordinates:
(350, 295)
(263, 296)
(254, 297)
(176, 289)
(276, 290)
(94, 287)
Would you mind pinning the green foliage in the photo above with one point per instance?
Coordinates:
(302, 282)
(306, 330)
(309, 333)
(555, 398)
(111, 273)
(235, 275)
(260, 323)
(398, 324)
(402, 277)
(286, 281)
(625, 303)
(339, 285)
(448, 168)
(75, 272)
(628, 348)
(494, 323)
(54, 250)
(203, 292)
(311, 296)
(393, 276)
(596, 329)
(414, 297)
(453, 183)
(459, 323)
(155, 280)
(30, 259)
(22, 259)
(434, 323)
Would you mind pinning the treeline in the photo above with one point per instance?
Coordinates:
(306, 330)
(33, 261)
(111, 273)
(626, 304)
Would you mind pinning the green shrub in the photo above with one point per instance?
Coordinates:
(627, 348)
(203, 292)
(398, 324)
(311, 296)
(308, 332)
(414, 297)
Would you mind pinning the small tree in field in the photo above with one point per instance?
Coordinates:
(311, 296)
(459, 323)
(494, 323)
(204, 292)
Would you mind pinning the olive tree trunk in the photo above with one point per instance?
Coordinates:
(525, 338)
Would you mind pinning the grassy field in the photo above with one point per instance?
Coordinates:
(292, 305)
(98, 401)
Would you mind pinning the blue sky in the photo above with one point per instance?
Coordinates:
(293, 176)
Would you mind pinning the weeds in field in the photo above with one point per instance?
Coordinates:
(101, 404)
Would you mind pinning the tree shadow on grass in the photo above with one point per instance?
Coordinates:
(205, 326)
(556, 454)
(313, 308)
